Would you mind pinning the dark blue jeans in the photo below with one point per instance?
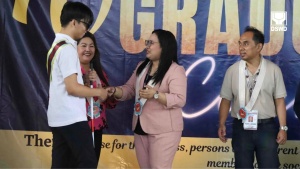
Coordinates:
(261, 143)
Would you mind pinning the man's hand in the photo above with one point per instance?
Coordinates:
(222, 133)
(281, 137)
(102, 94)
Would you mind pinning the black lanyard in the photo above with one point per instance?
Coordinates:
(249, 84)
(148, 77)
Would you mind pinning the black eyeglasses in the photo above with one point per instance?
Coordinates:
(149, 42)
(87, 25)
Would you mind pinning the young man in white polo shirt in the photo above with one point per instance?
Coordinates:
(255, 90)
(72, 138)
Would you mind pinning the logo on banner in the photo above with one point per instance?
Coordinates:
(278, 21)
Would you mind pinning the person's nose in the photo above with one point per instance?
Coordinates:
(241, 47)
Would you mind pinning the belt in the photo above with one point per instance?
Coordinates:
(259, 121)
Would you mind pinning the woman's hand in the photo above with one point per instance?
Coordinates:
(92, 75)
(115, 92)
(86, 80)
(111, 90)
(147, 92)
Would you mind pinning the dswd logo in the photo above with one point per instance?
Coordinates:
(278, 21)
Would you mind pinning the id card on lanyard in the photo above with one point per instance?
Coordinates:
(250, 122)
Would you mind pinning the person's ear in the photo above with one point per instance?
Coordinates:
(259, 46)
(72, 22)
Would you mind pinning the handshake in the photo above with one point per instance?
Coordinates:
(104, 93)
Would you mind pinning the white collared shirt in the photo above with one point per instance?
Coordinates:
(64, 109)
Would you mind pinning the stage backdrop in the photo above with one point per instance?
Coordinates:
(207, 33)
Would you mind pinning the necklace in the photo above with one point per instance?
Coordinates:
(251, 82)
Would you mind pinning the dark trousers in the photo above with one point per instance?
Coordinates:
(98, 143)
(73, 146)
(261, 142)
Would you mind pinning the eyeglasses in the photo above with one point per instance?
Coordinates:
(87, 25)
(149, 42)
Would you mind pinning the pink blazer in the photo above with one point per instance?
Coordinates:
(157, 118)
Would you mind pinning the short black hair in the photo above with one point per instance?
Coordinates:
(258, 36)
(76, 10)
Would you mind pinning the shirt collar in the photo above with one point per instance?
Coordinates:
(67, 38)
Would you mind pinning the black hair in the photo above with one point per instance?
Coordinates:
(258, 36)
(96, 59)
(77, 11)
(168, 54)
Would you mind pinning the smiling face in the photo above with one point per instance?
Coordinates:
(248, 48)
(86, 50)
(153, 48)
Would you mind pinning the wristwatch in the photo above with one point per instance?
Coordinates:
(285, 128)
(156, 95)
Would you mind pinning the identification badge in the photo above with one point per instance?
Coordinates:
(250, 122)
(138, 107)
(96, 110)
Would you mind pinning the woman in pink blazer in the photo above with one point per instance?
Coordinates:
(159, 87)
